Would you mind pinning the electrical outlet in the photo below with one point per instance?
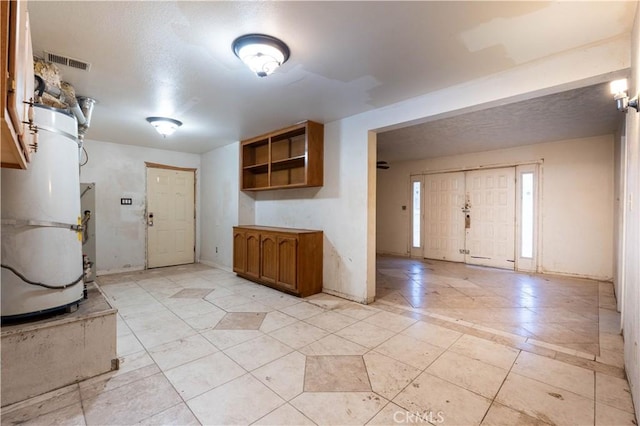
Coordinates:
(126, 201)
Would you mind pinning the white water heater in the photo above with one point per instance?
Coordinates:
(42, 267)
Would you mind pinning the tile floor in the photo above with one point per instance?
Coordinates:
(551, 309)
(444, 344)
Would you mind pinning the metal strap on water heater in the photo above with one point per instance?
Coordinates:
(41, 223)
(60, 132)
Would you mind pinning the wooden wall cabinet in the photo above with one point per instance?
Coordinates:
(283, 258)
(16, 83)
(288, 158)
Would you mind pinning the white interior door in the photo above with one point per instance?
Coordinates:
(170, 217)
(445, 233)
(490, 235)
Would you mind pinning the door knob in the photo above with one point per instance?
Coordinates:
(150, 220)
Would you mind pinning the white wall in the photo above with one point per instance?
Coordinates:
(630, 262)
(223, 205)
(618, 218)
(339, 209)
(577, 199)
(119, 171)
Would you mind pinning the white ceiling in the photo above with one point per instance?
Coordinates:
(175, 59)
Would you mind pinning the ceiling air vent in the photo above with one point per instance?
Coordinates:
(66, 61)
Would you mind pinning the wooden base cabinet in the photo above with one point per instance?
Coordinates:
(287, 259)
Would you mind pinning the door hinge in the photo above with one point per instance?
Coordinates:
(11, 84)
(463, 251)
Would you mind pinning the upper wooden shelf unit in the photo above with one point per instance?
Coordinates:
(287, 158)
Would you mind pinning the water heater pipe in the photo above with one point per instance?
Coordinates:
(64, 96)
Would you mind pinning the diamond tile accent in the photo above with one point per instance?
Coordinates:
(336, 373)
(241, 321)
(192, 293)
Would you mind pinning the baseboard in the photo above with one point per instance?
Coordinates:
(573, 275)
(390, 253)
(348, 296)
(215, 265)
(119, 271)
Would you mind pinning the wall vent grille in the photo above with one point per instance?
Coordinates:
(66, 61)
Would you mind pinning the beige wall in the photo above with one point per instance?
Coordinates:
(576, 205)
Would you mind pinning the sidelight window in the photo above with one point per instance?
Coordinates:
(526, 237)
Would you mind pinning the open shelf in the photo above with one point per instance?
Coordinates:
(289, 145)
(255, 153)
(288, 163)
(287, 158)
(254, 180)
(257, 168)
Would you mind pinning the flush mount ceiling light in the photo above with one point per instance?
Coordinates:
(261, 53)
(165, 126)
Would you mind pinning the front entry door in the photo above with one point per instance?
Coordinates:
(470, 217)
(170, 217)
(444, 233)
(490, 235)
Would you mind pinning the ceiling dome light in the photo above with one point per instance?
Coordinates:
(165, 126)
(261, 53)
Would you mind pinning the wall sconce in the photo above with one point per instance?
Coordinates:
(619, 92)
(263, 54)
(165, 126)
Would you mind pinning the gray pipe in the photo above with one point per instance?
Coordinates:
(69, 99)
(75, 109)
(86, 104)
(80, 106)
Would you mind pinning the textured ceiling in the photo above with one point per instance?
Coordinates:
(174, 58)
(584, 112)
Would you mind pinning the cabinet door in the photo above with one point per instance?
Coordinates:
(269, 272)
(239, 252)
(18, 87)
(288, 262)
(253, 254)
